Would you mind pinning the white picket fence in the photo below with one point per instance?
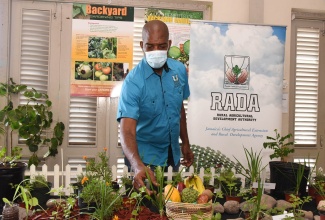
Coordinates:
(69, 176)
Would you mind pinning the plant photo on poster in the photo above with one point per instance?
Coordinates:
(102, 47)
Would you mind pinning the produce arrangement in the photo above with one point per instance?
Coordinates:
(191, 190)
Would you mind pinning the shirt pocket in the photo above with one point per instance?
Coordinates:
(150, 107)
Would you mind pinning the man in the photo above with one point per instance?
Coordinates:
(150, 109)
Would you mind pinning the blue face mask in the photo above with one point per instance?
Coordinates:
(156, 58)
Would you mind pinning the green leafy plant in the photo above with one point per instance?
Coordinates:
(280, 145)
(229, 182)
(297, 204)
(254, 203)
(63, 207)
(252, 170)
(32, 120)
(97, 187)
(135, 200)
(23, 193)
(10, 159)
(104, 196)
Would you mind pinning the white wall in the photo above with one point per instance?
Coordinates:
(4, 15)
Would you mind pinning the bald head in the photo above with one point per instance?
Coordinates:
(154, 27)
(155, 36)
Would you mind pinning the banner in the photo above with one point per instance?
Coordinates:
(178, 22)
(102, 48)
(235, 77)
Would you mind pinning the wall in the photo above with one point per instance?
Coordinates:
(4, 41)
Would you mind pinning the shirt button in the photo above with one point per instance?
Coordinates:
(167, 105)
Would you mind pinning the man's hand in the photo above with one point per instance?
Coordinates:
(140, 174)
(188, 155)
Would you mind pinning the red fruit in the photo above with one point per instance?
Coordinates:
(180, 186)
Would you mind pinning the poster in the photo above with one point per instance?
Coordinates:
(178, 22)
(102, 48)
(235, 77)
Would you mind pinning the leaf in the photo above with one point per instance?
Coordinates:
(33, 201)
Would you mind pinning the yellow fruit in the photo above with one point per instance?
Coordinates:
(196, 182)
(172, 194)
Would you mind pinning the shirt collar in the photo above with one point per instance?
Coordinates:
(149, 71)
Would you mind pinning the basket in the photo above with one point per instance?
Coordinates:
(183, 211)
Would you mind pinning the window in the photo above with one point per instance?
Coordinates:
(307, 111)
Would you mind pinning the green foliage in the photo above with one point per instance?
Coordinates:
(101, 193)
(23, 193)
(138, 198)
(62, 206)
(98, 168)
(32, 120)
(252, 170)
(279, 145)
(297, 204)
(10, 159)
(97, 187)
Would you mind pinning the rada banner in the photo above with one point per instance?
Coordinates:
(235, 76)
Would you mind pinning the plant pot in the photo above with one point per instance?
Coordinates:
(10, 175)
(42, 194)
(287, 196)
(10, 212)
(321, 215)
(84, 207)
(283, 174)
(318, 198)
(234, 198)
(312, 191)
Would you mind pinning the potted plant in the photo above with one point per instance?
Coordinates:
(252, 170)
(230, 184)
(11, 172)
(40, 188)
(11, 210)
(299, 174)
(284, 170)
(32, 120)
(97, 190)
(280, 146)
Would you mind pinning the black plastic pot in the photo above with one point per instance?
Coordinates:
(283, 174)
(10, 175)
(42, 194)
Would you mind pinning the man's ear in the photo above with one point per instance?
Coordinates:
(170, 43)
(141, 44)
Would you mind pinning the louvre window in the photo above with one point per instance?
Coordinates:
(306, 86)
(82, 121)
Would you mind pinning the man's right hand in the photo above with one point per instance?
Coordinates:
(140, 174)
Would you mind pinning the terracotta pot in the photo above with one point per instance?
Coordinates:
(311, 191)
(287, 196)
(234, 198)
(322, 215)
(319, 198)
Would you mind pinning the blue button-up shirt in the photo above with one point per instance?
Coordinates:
(155, 102)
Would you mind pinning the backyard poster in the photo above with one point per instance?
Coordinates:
(102, 48)
(178, 22)
(235, 77)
